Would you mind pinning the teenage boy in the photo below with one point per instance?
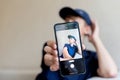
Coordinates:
(98, 63)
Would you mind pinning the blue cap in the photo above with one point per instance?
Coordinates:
(70, 36)
(67, 11)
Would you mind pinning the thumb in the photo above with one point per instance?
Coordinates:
(83, 47)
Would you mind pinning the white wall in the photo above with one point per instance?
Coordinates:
(26, 24)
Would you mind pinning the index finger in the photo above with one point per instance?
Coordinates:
(52, 44)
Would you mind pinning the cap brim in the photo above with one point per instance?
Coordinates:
(67, 11)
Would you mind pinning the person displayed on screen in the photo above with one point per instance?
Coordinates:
(71, 48)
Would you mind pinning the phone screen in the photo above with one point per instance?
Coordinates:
(69, 48)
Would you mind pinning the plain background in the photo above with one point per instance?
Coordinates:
(26, 24)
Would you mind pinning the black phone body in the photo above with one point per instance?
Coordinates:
(69, 46)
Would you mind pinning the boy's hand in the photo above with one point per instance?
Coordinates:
(50, 57)
(94, 35)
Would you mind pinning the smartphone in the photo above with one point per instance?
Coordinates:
(69, 46)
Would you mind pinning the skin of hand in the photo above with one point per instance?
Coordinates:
(93, 32)
(50, 57)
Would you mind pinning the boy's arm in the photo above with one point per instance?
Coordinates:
(106, 65)
(66, 54)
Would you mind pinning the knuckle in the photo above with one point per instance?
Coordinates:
(48, 49)
(48, 57)
(45, 48)
(50, 42)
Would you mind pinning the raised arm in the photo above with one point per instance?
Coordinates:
(107, 67)
(66, 54)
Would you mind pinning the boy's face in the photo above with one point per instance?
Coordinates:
(71, 40)
(81, 22)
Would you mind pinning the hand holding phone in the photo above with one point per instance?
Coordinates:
(68, 42)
